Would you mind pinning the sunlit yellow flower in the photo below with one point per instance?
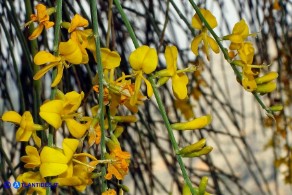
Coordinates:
(239, 33)
(109, 59)
(69, 52)
(84, 38)
(55, 161)
(119, 166)
(64, 108)
(32, 159)
(26, 129)
(42, 17)
(143, 60)
(196, 123)
(80, 174)
(208, 41)
(179, 78)
(31, 178)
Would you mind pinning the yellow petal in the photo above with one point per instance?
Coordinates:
(70, 51)
(44, 70)
(22, 135)
(149, 88)
(51, 112)
(197, 123)
(171, 59)
(213, 44)
(241, 28)
(211, 19)
(110, 59)
(196, 22)
(52, 169)
(138, 82)
(144, 58)
(53, 162)
(36, 33)
(36, 139)
(77, 21)
(69, 147)
(59, 75)
(12, 116)
(76, 129)
(43, 57)
(179, 87)
(150, 62)
(195, 44)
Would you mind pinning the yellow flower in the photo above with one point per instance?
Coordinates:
(143, 60)
(69, 52)
(63, 108)
(179, 79)
(208, 41)
(109, 59)
(32, 159)
(239, 33)
(119, 166)
(79, 174)
(42, 17)
(55, 161)
(26, 129)
(196, 123)
(84, 38)
(31, 178)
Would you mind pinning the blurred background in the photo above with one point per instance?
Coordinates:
(252, 152)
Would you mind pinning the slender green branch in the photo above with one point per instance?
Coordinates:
(159, 102)
(127, 23)
(170, 134)
(100, 113)
(225, 53)
(56, 52)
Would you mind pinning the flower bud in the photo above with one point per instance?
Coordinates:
(266, 87)
(266, 78)
(204, 151)
(193, 147)
(197, 123)
(276, 108)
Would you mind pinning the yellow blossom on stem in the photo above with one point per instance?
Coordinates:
(55, 161)
(42, 17)
(64, 108)
(179, 79)
(27, 127)
(84, 38)
(208, 41)
(80, 174)
(69, 52)
(32, 178)
(32, 159)
(143, 60)
(239, 33)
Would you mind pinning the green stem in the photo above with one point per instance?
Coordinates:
(171, 135)
(225, 53)
(159, 101)
(100, 113)
(127, 23)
